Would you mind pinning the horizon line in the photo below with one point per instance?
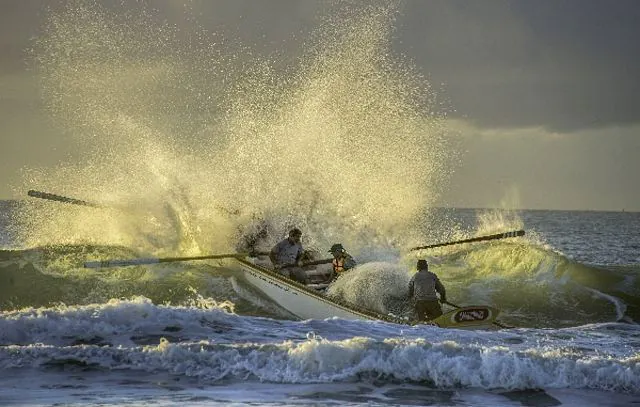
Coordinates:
(622, 210)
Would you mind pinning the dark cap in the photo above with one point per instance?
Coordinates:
(336, 248)
(295, 232)
(422, 265)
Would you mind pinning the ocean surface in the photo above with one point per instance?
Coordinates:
(181, 334)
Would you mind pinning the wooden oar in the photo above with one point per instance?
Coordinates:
(74, 201)
(498, 324)
(309, 263)
(155, 260)
(60, 198)
(514, 233)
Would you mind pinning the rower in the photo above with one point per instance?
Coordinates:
(342, 261)
(289, 253)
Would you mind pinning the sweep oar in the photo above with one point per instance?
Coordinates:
(498, 324)
(155, 260)
(514, 233)
(60, 198)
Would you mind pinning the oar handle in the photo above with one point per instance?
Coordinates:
(514, 233)
(257, 254)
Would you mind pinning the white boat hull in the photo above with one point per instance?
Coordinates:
(300, 301)
(307, 303)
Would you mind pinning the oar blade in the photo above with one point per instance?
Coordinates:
(494, 322)
(59, 198)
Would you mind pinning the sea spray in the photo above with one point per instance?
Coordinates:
(378, 286)
(191, 136)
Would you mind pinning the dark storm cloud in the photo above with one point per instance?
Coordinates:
(269, 25)
(549, 89)
(561, 64)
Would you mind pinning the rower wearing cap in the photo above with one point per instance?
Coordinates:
(342, 261)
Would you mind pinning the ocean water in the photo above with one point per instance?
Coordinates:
(186, 140)
(179, 333)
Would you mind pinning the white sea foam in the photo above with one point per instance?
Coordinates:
(373, 285)
(213, 345)
(445, 364)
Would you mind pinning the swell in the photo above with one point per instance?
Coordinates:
(534, 286)
(52, 275)
(537, 286)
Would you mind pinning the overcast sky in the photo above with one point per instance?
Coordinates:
(546, 93)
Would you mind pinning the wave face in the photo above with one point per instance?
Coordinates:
(532, 285)
(214, 346)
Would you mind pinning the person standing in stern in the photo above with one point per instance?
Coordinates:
(423, 287)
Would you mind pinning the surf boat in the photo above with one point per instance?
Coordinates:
(310, 302)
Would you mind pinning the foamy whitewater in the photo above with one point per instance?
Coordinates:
(189, 142)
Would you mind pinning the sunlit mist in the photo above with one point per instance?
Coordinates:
(186, 138)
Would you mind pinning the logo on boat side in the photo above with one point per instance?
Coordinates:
(284, 288)
(471, 314)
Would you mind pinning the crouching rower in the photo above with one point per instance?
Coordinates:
(342, 261)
